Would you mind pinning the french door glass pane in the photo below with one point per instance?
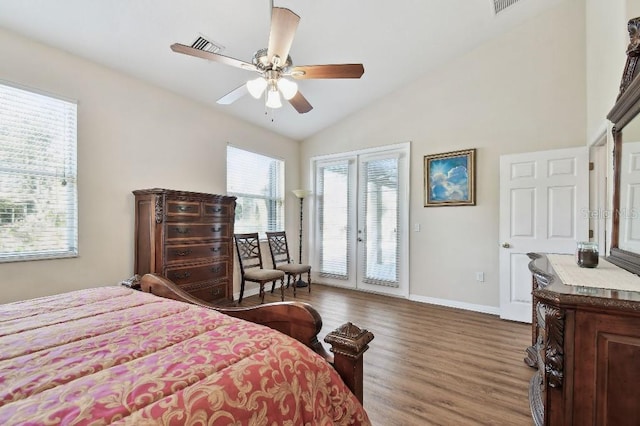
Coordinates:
(333, 209)
(380, 211)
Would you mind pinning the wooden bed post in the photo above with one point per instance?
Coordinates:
(348, 344)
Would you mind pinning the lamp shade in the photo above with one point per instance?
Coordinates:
(256, 87)
(273, 99)
(288, 88)
(301, 193)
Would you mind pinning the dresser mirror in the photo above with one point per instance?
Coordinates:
(625, 115)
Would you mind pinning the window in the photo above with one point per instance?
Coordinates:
(38, 187)
(258, 182)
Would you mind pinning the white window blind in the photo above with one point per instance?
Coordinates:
(38, 184)
(334, 201)
(258, 183)
(381, 212)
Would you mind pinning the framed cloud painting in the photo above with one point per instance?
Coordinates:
(449, 179)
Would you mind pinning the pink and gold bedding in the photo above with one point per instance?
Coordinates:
(113, 355)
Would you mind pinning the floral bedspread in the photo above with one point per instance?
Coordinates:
(112, 355)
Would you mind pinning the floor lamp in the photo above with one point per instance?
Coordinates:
(301, 193)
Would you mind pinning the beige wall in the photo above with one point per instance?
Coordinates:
(607, 39)
(131, 135)
(523, 91)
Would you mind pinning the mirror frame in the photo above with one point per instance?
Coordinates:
(627, 107)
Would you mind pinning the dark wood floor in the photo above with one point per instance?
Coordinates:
(430, 365)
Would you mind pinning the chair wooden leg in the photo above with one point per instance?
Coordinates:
(273, 286)
(282, 288)
(241, 290)
(295, 285)
(262, 292)
(309, 280)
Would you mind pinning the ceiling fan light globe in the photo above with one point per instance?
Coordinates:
(256, 87)
(273, 99)
(288, 88)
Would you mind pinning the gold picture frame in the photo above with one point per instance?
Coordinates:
(449, 179)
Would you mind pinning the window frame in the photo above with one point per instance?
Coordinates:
(68, 124)
(275, 203)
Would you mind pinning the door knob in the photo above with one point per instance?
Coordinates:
(506, 245)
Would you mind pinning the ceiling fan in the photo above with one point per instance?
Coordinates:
(274, 64)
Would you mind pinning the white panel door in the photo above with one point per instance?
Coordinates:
(544, 202)
(629, 238)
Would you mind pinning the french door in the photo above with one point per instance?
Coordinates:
(360, 214)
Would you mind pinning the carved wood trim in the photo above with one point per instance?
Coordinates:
(159, 208)
(349, 340)
(554, 346)
(633, 52)
(535, 399)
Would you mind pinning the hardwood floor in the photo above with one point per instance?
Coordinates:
(430, 365)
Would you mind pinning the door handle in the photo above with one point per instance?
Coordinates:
(506, 245)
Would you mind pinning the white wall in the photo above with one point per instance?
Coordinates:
(523, 91)
(607, 39)
(131, 135)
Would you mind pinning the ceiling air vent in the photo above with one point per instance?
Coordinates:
(500, 5)
(202, 43)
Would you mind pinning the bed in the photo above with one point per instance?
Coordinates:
(114, 355)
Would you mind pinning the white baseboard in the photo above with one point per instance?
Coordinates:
(492, 310)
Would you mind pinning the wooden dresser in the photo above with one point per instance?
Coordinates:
(586, 350)
(186, 237)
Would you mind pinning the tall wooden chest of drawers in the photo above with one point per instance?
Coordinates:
(186, 237)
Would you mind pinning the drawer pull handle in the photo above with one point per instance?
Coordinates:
(218, 229)
(216, 269)
(179, 276)
(184, 208)
(216, 209)
(215, 249)
(182, 230)
(216, 291)
(182, 253)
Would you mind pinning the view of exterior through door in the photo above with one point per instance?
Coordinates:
(361, 208)
(544, 206)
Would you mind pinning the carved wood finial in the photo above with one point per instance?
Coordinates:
(349, 340)
(633, 54)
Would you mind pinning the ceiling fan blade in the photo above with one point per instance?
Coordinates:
(305, 72)
(283, 28)
(187, 50)
(300, 103)
(233, 95)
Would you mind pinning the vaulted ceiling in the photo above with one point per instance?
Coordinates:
(397, 41)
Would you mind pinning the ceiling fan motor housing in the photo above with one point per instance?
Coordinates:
(262, 62)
